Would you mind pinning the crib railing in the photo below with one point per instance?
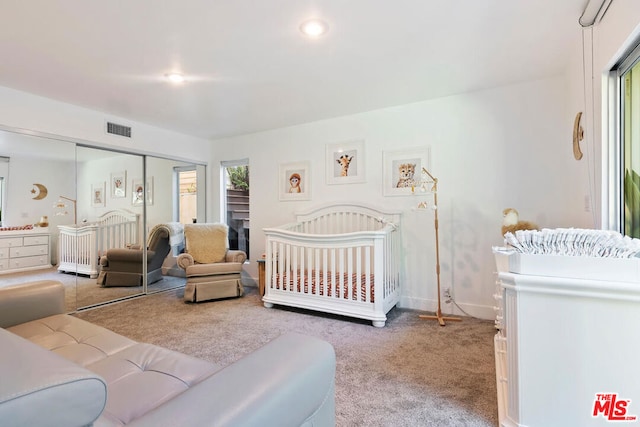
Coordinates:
(342, 218)
(334, 272)
(81, 245)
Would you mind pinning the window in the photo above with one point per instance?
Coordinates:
(628, 156)
(187, 186)
(235, 202)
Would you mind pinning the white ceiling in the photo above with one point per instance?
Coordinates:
(250, 69)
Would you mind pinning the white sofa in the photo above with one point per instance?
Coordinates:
(58, 370)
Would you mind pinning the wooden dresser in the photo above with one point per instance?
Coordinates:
(23, 250)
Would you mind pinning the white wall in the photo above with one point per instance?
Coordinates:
(98, 171)
(21, 110)
(26, 111)
(58, 176)
(505, 147)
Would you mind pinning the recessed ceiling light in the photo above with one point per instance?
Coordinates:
(176, 78)
(314, 28)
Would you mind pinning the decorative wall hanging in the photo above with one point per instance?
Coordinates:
(60, 207)
(97, 195)
(39, 191)
(578, 135)
(137, 192)
(345, 162)
(401, 170)
(294, 181)
(119, 184)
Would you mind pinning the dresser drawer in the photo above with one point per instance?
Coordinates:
(29, 261)
(28, 251)
(7, 242)
(36, 240)
(4, 264)
(4, 253)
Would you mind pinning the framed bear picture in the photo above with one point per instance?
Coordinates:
(402, 170)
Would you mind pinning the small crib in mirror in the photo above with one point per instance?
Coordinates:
(80, 246)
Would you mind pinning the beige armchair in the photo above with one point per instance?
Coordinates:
(213, 270)
(123, 266)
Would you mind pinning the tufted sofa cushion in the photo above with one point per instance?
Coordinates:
(64, 393)
(139, 377)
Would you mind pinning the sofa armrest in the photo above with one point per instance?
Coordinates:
(41, 388)
(288, 382)
(30, 301)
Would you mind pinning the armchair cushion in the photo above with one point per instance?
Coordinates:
(214, 269)
(206, 243)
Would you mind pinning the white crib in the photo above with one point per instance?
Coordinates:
(342, 259)
(81, 245)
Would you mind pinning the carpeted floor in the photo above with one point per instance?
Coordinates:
(412, 373)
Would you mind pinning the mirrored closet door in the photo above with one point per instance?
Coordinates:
(37, 174)
(105, 247)
(88, 217)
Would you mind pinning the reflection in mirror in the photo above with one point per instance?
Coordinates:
(4, 172)
(35, 171)
(175, 196)
(109, 222)
(80, 213)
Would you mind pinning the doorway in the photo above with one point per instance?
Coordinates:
(235, 203)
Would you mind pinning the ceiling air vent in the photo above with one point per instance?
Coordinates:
(116, 129)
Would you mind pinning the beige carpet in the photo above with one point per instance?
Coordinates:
(413, 372)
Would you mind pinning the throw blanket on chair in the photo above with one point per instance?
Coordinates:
(207, 243)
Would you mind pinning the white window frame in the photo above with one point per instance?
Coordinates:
(612, 134)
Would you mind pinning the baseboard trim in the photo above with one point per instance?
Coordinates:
(474, 310)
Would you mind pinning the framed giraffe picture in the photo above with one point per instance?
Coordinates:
(345, 162)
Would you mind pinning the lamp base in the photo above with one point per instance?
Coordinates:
(440, 318)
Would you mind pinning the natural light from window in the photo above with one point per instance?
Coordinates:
(631, 150)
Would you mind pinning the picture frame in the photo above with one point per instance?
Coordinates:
(118, 184)
(402, 168)
(137, 192)
(294, 181)
(345, 162)
(98, 195)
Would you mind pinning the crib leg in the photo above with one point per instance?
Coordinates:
(378, 323)
(268, 304)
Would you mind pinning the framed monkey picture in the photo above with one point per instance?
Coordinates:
(294, 181)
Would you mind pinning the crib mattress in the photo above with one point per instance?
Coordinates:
(336, 282)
